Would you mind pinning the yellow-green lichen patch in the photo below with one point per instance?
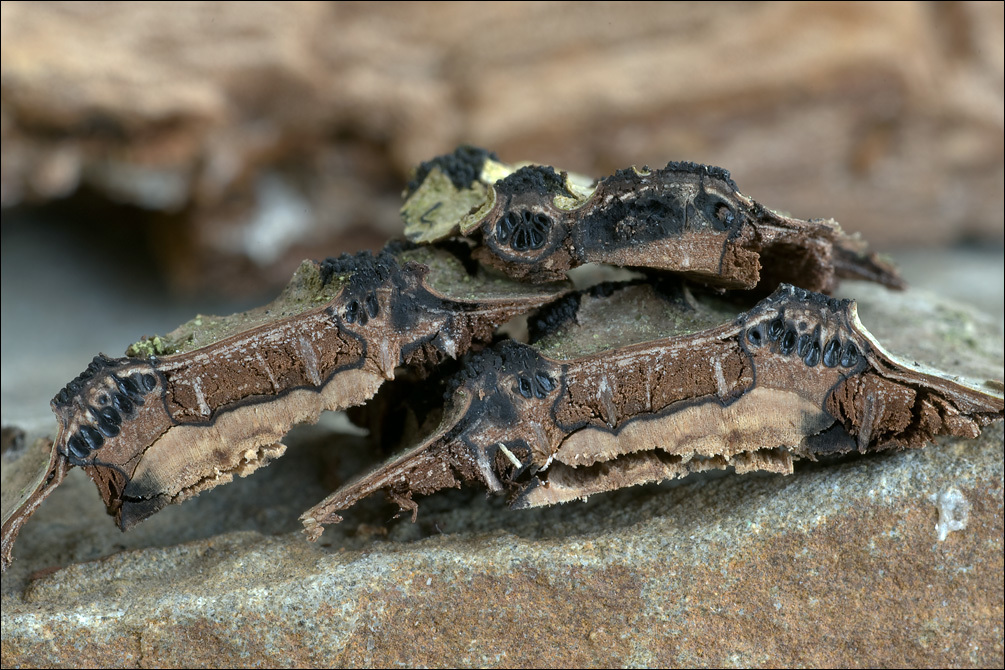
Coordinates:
(581, 189)
(631, 316)
(438, 208)
(304, 292)
(433, 211)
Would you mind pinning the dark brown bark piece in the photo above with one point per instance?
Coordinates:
(188, 411)
(702, 387)
(535, 224)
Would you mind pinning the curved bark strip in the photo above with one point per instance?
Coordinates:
(702, 387)
(188, 411)
(534, 224)
(28, 481)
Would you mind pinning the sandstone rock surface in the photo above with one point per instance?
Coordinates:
(855, 563)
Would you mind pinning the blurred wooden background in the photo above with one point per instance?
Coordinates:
(229, 140)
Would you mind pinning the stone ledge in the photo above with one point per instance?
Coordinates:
(839, 564)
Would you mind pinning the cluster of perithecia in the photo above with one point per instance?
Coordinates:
(711, 357)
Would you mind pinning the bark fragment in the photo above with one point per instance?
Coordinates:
(186, 412)
(703, 387)
(535, 223)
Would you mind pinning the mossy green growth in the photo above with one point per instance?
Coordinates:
(450, 279)
(304, 292)
(630, 316)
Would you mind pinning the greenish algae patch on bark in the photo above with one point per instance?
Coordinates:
(304, 291)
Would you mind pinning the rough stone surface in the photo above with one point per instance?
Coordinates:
(261, 134)
(839, 564)
(834, 566)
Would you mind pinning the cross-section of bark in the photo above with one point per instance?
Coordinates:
(188, 411)
(599, 403)
(535, 223)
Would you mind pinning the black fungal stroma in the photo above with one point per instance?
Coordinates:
(369, 309)
(538, 386)
(108, 419)
(806, 346)
(523, 231)
(718, 211)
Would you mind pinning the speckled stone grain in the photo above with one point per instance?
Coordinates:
(839, 564)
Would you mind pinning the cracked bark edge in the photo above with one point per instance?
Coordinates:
(797, 376)
(535, 223)
(28, 482)
(188, 411)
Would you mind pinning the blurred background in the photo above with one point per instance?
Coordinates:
(162, 159)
